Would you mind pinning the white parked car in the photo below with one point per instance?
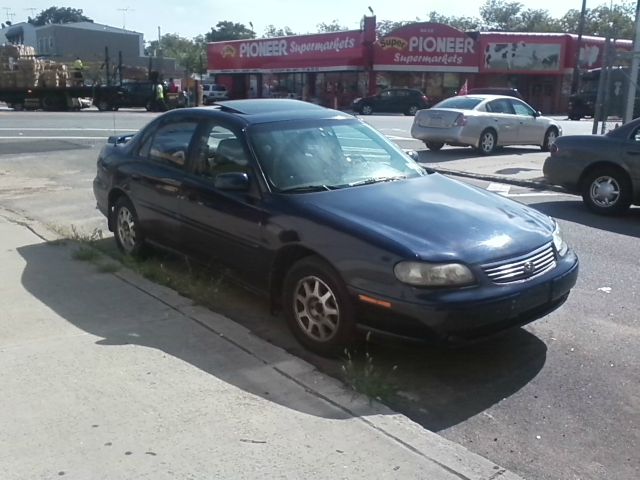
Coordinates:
(484, 122)
(212, 92)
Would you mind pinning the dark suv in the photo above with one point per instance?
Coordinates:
(392, 100)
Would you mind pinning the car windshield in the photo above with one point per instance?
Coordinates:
(461, 103)
(325, 155)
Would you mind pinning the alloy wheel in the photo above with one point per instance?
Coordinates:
(126, 228)
(605, 191)
(488, 142)
(316, 309)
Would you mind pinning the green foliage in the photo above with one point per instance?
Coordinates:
(334, 26)
(271, 31)
(226, 30)
(384, 27)
(362, 376)
(615, 21)
(59, 15)
(465, 24)
(189, 54)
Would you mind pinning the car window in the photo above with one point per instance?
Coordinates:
(462, 103)
(501, 105)
(402, 93)
(387, 94)
(329, 154)
(170, 144)
(522, 108)
(219, 150)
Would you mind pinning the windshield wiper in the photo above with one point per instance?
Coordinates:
(307, 188)
(368, 181)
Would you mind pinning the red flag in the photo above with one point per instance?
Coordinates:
(463, 89)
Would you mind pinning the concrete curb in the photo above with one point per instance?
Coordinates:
(430, 447)
(534, 183)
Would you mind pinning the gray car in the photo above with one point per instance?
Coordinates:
(604, 169)
(484, 122)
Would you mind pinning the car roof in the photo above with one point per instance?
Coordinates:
(264, 110)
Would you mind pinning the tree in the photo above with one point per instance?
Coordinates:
(226, 30)
(616, 21)
(501, 15)
(186, 52)
(271, 31)
(58, 15)
(384, 27)
(334, 26)
(466, 24)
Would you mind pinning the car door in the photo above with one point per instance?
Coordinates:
(631, 155)
(501, 116)
(226, 225)
(386, 102)
(155, 185)
(530, 130)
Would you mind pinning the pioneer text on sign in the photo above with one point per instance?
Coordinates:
(441, 44)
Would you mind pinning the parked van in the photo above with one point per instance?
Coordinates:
(212, 92)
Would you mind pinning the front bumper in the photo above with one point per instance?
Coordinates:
(453, 317)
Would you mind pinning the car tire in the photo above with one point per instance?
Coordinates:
(575, 117)
(434, 146)
(366, 110)
(103, 105)
(317, 307)
(126, 228)
(549, 138)
(149, 106)
(413, 109)
(607, 191)
(488, 142)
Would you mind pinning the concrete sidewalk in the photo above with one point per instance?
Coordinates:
(111, 376)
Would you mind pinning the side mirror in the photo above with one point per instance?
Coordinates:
(232, 181)
(412, 153)
(537, 114)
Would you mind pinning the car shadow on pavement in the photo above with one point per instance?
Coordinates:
(460, 153)
(627, 223)
(435, 386)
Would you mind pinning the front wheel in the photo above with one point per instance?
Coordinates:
(366, 110)
(318, 308)
(488, 142)
(607, 191)
(126, 232)
(549, 139)
(103, 106)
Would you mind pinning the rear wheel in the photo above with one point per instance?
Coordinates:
(488, 142)
(104, 105)
(317, 307)
(413, 109)
(434, 146)
(549, 139)
(366, 110)
(607, 191)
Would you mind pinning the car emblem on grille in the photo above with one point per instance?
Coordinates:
(528, 267)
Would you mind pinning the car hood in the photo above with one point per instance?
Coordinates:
(432, 218)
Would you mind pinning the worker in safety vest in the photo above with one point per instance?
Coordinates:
(77, 72)
(160, 105)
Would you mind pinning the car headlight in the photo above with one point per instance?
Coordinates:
(558, 242)
(423, 274)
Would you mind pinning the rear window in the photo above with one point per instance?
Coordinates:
(462, 103)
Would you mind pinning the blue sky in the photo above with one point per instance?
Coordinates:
(194, 17)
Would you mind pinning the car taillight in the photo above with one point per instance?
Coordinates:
(461, 121)
(425, 98)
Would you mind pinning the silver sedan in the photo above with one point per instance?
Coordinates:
(484, 122)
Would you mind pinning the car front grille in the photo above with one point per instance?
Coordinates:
(522, 268)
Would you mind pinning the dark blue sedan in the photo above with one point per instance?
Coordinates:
(337, 225)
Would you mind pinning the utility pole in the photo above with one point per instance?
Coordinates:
(633, 74)
(575, 82)
(124, 15)
(32, 10)
(8, 13)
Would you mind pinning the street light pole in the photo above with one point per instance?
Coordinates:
(576, 64)
(633, 74)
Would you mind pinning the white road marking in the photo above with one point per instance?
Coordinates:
(23, 137)
(394, 137)
(500, 188)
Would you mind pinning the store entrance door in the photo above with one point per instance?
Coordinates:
(542, 95)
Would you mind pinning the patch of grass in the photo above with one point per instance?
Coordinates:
(86, 254)
(108, 267)
(363, 376)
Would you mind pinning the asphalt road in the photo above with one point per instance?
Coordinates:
(558, 399)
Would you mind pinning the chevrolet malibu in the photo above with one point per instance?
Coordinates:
(484, 122)
(334, 223)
